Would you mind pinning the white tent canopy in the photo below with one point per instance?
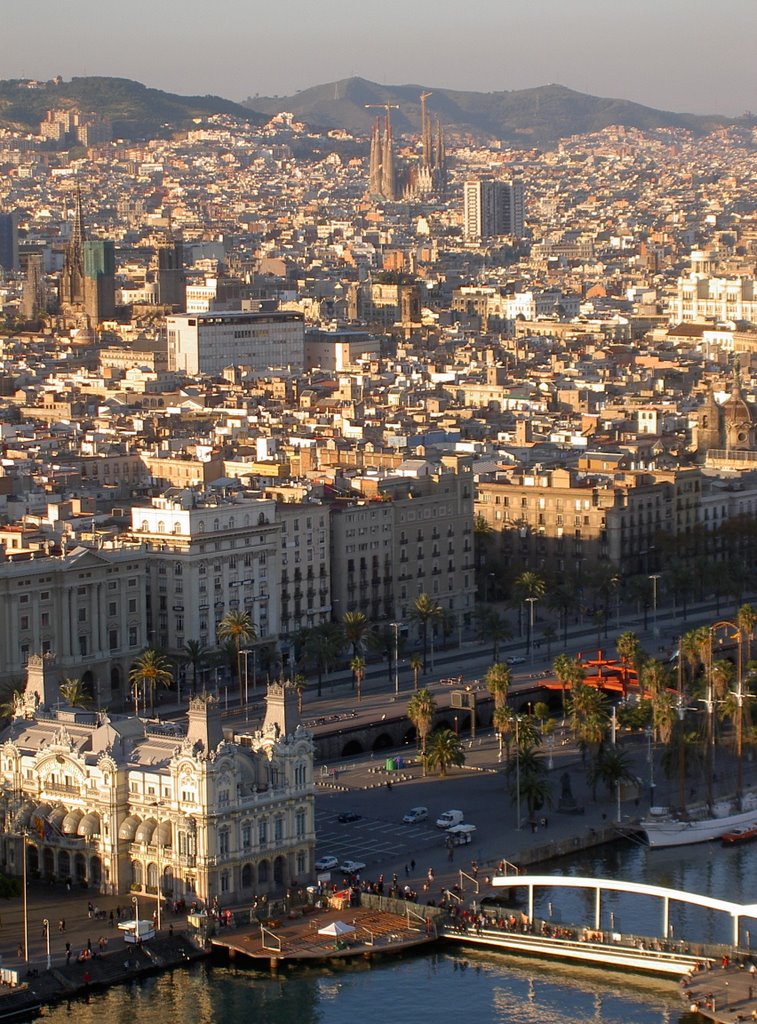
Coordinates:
(336, 928)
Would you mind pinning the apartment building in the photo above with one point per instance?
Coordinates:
(259, 341)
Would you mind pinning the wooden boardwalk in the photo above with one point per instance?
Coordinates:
(294, 940)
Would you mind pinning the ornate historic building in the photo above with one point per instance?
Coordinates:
(125, 805)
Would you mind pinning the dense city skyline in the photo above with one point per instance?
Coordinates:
(668, 49)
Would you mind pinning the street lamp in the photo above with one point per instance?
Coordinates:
(135, 901)
(531, 602)
(46, 924)
(654, 578)
(26, 897)
(396, 628)
(517, 774)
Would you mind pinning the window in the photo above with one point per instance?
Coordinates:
(246, 836)
(133, 636)
(300, 824)
(112, 608)
(278, 830)
(263, 832)
(24, 622)
(113, 639)
(82, 615)
(223, 842)
(83, 646)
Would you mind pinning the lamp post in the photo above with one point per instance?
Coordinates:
(517, 773)
(531, 602)
(26, 897)
(396, 628)
(654, 578)
(46, 924)
(135, 901)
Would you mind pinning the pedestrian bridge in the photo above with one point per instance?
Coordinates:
(736, 911)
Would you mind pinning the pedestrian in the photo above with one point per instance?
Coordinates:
(89, 945)
(44, 929)
(20, 951)
(751, 990)
(170, 930)
(86, 978)
(68, 954)
(90, 909)
(407, 871)
(62, 925)
(412, 865)
(111, 918)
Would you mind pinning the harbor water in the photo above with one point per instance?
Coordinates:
(453, 983)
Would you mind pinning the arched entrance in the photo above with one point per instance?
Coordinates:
(88, 683)
(32, 860)
(247, 876)
(168, 882)
(64, 865)
(80, 868)
(95, 872)
(279, 870)
(263, 872)
(115, 684)
(383, 742)
(352, 749)
(48, 863)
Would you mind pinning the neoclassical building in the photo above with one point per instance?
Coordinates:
(126, 805)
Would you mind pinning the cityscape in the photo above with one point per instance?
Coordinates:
(366, 452)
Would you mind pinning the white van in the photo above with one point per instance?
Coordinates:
(449, 818)
(415, 814)
(461, 835)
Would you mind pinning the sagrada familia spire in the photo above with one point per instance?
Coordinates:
(419, 178)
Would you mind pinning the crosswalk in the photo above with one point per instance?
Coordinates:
(373, 840)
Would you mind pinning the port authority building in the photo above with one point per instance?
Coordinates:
(123, 804)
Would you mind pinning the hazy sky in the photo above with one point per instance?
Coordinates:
(684, 55)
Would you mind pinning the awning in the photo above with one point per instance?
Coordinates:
(57, 817)
(89, 825)
(145, 831)
(71, 821)
(24, 815)
(39, 815)
(129, 827)
(163, 834)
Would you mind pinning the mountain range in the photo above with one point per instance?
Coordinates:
(525, 117)
(135, 111)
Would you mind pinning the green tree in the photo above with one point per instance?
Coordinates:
(746, 618)
(196, 653)
(358, 674)
(425, 611)
(149, 671)
(320, 647)
(298, 681)
(238, 628)
(357, 630)
(503, 721)
(492, 627)
(528, 777)
(75, 693)
(497, 681)
(416, 664)
(444, 752)
(529, 586)
(612, 767)
(388, 642)
(589, 718)
(569, 673)
(628, 646)
(421, 709)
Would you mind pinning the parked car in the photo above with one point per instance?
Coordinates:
(449, 818)
(516, 659)
(351, 867)
(326, 863)
(415, 814)
(346, 816)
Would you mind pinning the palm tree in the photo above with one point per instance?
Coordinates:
(746, 618)
(569, 672)
(503, 720)
(416, 664)
(587, 709)
(320, 647)
(425, 611)
(529, 586)
(389, 642)
(628, 646)
(549, 633)
(196, 653)
(528, 779)
(612, 767)
(298, 681)
(492, 627)
(421, 709)
(75, 693)
(149, 671)
(497, 681)
(445, 751)
(358, 674)
(11, 695)
(561, 598)
(357, 630)
(238, 628)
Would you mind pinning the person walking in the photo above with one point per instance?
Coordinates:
(62, 925)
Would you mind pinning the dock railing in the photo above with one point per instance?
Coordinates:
(264, 932)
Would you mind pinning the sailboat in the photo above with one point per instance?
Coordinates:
(711, 820)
